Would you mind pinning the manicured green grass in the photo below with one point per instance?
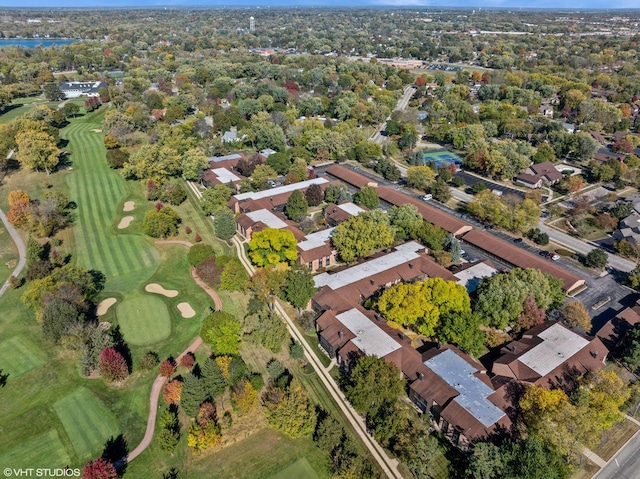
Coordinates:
(18, 356)
(300, 468)
(45, 450)
(144, 319)
(19, 107)
(87, 422)
(126, 259)
(8, 254)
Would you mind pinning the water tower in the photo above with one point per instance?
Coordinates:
(252, 24)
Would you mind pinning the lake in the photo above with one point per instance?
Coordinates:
(35, 42)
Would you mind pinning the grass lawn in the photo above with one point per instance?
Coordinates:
(585, 470)
(8, 254)
(300, 468)
(87, 421)
(45, 450)
(126, 259)
(615, 438)
(18, 356)
(19, 106)
(144, 319)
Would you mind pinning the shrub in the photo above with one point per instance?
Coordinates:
(197, 239)
(116, 158)
(113, 367)
(478, 187)
(233, 276)
(173, 193)
(199, 253)
(187, 230)
(457, 181)
(15, 283)
(187, 361)
(162, 223)
(101, 468)
(148, 360)
(210, 272)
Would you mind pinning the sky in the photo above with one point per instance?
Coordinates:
(543, 4)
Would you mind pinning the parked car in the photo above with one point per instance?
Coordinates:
(555, 257)
(427, 197)
(517, 240)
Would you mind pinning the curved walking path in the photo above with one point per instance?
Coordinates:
(22, 250)
(156, 389)
(158, 384)
(388, 465)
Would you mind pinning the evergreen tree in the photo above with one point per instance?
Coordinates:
(296, 206)
(212, 378)
(194, 393)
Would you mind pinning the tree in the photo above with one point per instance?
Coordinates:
(167, 368)
(630, 349)
(19, 203)
(314, 195)
(243, 397)
(224, 223)
(501, 297)
(296, 206)
(173, 193)
(172, 391)
(222, 331)
(213, 198)
(544, 153)
(275, 369)
(576, 315)
(596, 258)
(531, 315)
(113, 367)
(441, 191)
(37, 150)
(296, 350)
(213, 378)
(205, 432)
(336, 193)
(432, 236)
(421, 304)
(299, 287)
(58, 316)
(452, 245)
(199, 253)
(573, 184)
(194, 162)
(52, 92)
(261, 176)
(272, 246)
(361, 235)
(407, 221)
(193, 394)
(420, 177)
(100, 468)
(367, 197)
(70, 110)
(161, 224)
(290, 412)
(374, 385)
(234, 276)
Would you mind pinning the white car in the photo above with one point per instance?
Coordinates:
(427, 197)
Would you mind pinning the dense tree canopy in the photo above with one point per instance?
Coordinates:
(361, 235)
(271, 246)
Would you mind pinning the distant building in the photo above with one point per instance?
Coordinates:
(537, 175)
(76, 89)
(252, 24)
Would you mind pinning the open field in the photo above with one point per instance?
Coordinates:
(87, 421)
(18, 356)
(144, 320)
(45, 450)
(300, 468)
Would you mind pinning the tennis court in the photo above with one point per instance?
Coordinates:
(441, 159)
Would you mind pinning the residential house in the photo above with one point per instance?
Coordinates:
(315, 250)
(336, 214)
(603, 155)
(546, 111)
(469, 275)
(538, 174)
(614, 330)
(550, 355)
(231, 136)
(272, 198)
(596, 135)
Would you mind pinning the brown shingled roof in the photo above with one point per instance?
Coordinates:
(450, 223)
(522, 259)
(349, 176)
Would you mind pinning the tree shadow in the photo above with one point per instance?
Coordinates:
(116, 450)
(3, 378)
(172, 473)
(120, 345)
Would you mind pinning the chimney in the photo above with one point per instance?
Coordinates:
(372, 281)
(594, 353)
(410, 265)
(340, 334)
(420, 376)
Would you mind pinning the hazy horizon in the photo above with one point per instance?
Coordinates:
(507, 4)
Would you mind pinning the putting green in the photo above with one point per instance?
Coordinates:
(45, 450)
(300, 468)
(87, 422)
(144, 320)
(18, 356)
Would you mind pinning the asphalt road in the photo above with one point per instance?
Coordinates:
(377, 137)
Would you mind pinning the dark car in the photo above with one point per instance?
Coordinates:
(517, 240)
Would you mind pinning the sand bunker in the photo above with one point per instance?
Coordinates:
(104, 306)
(96, 130)
(186, 310)
(129, 206)
(125, 222)
(156, 288)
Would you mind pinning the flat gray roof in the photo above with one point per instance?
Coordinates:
(558, 345)
(403, 253)
(470, 277)
(268, 218)
(258, 195)
(370, 338)
(225, 157)
(315, 240)
(224, 176)
(472, 392)
(351, 208)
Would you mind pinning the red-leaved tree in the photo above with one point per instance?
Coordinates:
(187, 361)
(172, 392)
(99, 469)
(167, 368)
(113, 367)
